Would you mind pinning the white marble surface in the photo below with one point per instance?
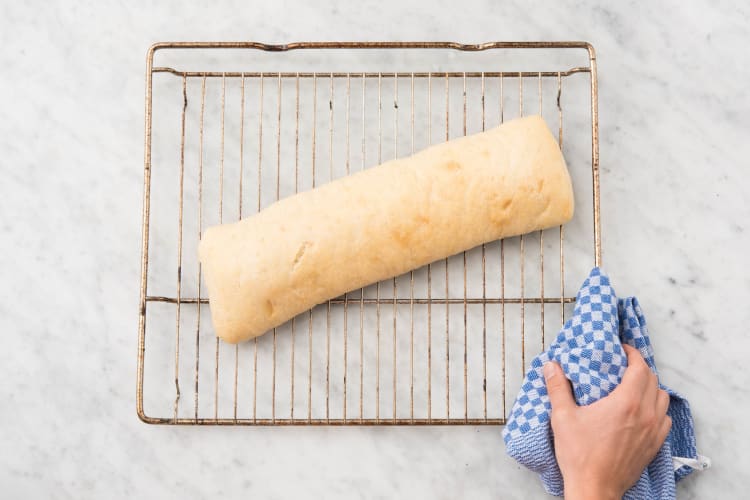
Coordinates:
(674, 111)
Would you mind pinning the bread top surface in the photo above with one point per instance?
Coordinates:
(382, 222)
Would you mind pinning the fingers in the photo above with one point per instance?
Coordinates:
(638, 376)
(651, 392)
(662, 402)
(634, 356)
(658, 435)
(558, 387)
(666, 426)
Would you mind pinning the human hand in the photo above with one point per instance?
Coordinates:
(603, 448)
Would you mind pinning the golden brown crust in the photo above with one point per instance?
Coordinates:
(382, 222)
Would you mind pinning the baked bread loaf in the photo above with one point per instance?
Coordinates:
(382, 222)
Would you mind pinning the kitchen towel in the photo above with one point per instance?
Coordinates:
(589, 350)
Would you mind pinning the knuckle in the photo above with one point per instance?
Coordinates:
(636, 369)
(557, 383)
(558, 415)
(664, 397)
(650, 420)
(665, 429)
(554, 421)
(631, 406)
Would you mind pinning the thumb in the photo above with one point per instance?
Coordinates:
(558, 387)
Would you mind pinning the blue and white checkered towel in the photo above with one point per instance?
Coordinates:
(589, 350)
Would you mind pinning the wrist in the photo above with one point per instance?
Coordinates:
(590, 490)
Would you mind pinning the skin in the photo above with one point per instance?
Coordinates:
(602, 448)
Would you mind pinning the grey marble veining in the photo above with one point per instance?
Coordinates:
(674, 115)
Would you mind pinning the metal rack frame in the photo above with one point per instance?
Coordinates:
(344, 303)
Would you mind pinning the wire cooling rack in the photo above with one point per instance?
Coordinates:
(232, 127)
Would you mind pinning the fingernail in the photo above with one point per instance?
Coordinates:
(549, 370)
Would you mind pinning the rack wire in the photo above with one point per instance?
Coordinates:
(445, 344)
